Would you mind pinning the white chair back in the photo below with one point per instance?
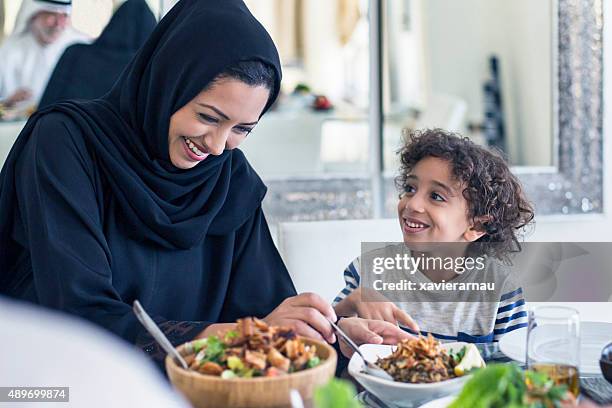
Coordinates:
(316, 253)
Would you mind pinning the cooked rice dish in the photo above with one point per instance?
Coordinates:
(419, 360)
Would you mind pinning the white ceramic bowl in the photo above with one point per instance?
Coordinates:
(439, 403)
(398, 393)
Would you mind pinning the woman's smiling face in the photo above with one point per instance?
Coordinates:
(432, 207)
(218, 118)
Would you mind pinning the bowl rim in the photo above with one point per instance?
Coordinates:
(331, 359)
(407, 385)
(411, 386)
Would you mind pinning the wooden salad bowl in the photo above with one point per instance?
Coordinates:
(207, 391)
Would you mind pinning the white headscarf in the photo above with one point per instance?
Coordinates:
(29, 8)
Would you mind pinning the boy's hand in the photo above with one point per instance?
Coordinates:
(363, 331)
(375, 307)
(307, 314)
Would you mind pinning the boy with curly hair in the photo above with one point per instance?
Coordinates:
(452, 191)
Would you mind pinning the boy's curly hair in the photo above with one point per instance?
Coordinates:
(492, 192)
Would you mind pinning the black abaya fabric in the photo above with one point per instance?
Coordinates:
(93, 215)
(88, 71)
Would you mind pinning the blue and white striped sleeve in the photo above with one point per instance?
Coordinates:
(511, 313)
(351, 278)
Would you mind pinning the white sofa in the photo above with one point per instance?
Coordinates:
(316, 253)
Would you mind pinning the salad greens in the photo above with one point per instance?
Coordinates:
(506, 385)
(458, 356)
(230, 335)
(313, 362)
(336, 394)
(198, 345)
(214, 349)
(254, 349)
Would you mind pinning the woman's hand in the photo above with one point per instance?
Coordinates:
(307, 314)
(363, 331)
(216, 329)
(375, 307)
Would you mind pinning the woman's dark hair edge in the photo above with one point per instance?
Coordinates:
(491, 190)
(253, 72)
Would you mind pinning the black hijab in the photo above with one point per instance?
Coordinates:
(128, 131)
(88, 71)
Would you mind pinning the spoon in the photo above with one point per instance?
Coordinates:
(158, 335)
(296, 399)
(370, 367)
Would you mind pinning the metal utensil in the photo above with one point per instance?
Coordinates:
(370, 367)
(295, 399)
(157, 334)
(373, 401)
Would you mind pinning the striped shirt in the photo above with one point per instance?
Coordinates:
(474, 322)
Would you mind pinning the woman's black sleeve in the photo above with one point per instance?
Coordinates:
(71, 262)
(260, 281)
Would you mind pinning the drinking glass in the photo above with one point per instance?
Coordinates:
(553, 344)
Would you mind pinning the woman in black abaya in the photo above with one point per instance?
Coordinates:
(142, 195)
(88, 71)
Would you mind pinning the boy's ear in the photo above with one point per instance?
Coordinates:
(477, 229)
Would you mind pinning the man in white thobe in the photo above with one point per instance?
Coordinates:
(28, 56)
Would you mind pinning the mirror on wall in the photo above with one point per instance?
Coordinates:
(523, 77)
(482, 68)
(319, 125)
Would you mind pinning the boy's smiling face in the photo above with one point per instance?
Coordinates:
(432, 207)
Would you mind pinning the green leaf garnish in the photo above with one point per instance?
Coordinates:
(232, 334)
(505, 385)
(458, 356)
(198, 345)
(336, 394)
(313, 362)
(214, 349)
